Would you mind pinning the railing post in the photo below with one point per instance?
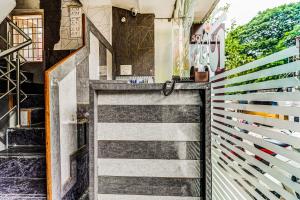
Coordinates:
(18, 91)
(9, 56)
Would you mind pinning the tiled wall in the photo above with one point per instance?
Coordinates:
(66, 42)
(149, 146)
(133, 41)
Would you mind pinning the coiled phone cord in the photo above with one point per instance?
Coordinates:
(165, 89)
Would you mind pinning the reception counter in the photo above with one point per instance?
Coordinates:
(144, 145)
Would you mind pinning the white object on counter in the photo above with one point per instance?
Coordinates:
(126, 70)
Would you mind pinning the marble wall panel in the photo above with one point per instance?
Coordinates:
(149, 150)
(149, 113)
(82, 178)
(133, 41)
(149, 186)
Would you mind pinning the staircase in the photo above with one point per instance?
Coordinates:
(23, 161)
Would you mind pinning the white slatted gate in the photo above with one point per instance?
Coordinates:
(255, 132)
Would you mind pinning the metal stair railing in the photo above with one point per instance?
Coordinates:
(14, 62)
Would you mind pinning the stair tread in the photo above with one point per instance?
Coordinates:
(24, 151)
(22, 197)
(33, 108)
(26, 128)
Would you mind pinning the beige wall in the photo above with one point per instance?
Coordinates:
(94, 65)
(25, 4)
(102, 19)
(163, 50)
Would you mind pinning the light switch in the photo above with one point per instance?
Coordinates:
(126, 70)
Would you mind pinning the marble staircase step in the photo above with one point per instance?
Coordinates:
(23, 167)
(22, 186)
(26, 136)
(23, 173)
(23, 197)
(23, 162)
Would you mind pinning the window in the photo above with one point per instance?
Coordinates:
(32, 25)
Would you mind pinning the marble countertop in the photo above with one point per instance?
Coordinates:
(121, 85)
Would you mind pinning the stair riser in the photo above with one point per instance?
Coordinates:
(4, 106)
(29, 76)
(22, 186)
(32, 88)
(22, 167)
(28, 88)
(33, 101)
(26, 137)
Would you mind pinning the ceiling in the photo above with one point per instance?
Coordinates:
(161, 8)
(203, 7)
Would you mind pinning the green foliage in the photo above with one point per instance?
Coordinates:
(269, 32)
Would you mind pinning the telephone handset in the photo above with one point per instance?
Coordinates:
(169, 86)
